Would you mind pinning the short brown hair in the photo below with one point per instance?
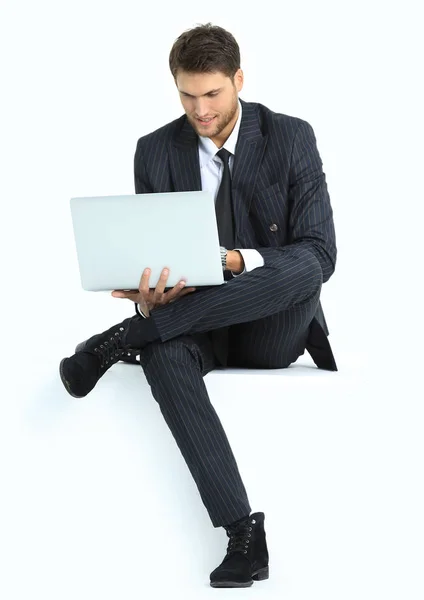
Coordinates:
(205, 49)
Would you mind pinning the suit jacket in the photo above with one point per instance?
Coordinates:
(279, 191)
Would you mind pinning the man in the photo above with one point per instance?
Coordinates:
(275, 221)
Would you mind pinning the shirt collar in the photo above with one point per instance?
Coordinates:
(207, 148)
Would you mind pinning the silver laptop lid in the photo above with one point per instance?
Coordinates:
(117, 237)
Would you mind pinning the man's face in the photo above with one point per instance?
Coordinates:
(210, 101)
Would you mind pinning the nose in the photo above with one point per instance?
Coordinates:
(201, 108)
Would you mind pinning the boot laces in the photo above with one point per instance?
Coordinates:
(239, 538)
(110, 351)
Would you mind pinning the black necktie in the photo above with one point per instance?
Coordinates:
(225, 221)
(224, 205)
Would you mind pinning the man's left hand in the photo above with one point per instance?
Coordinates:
(149, 298)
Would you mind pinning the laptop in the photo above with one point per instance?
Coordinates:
(117, 237)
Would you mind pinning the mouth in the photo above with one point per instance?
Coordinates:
(206, 123)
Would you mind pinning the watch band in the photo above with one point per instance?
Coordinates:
(223, 257)
(138, 312)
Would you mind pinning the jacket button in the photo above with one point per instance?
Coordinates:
(273, 227)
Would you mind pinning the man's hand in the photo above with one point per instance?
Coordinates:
(148, 298)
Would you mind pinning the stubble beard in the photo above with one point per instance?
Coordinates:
(220, 126)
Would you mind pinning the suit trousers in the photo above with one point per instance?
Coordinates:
(268, 312)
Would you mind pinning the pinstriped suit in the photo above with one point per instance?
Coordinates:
(269, 315)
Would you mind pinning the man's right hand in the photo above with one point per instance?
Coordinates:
(149, 298)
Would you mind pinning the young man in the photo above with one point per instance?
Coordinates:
(278, 246)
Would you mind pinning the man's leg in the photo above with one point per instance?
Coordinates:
(289, 281)
(273, 342)
(175, 371)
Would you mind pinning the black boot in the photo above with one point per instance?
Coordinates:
(94, 357)
(247, 554)
(132, 356)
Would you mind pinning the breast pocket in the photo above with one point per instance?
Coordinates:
(269, 215)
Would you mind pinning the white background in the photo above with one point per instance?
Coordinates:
(96, 499)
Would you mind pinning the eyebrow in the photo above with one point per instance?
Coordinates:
(207, 93)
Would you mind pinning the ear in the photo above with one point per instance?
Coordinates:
(239, 80)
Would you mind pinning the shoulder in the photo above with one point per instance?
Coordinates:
(163, 135)
(274, 123)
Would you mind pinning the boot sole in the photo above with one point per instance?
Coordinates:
(65, 381)
(231, 584)
(259, 575)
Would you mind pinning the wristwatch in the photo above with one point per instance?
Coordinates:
(138, 312)
(223, 257)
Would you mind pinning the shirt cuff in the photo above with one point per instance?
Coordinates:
(252, 260)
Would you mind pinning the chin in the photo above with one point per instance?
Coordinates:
(210, 134)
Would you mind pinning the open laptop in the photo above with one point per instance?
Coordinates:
(117, 237)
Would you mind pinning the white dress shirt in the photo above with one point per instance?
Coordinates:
(211, 170)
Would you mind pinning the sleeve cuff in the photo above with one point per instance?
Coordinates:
(252, 260)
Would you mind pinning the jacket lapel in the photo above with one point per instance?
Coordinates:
(250, 148)
(184, 159)
(248, 157)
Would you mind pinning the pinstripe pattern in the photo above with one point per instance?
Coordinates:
(282, 209)
(175, 371)
(290, 280)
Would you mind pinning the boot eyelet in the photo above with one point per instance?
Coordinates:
(245, 552)
(253, 521)
(249, 535)
(250, 529)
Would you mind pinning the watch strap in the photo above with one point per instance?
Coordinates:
(223, 257)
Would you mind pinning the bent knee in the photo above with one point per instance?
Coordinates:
(299, 260)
